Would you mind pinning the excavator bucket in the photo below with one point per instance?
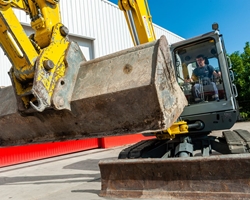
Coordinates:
(214, 177)
(130, 91)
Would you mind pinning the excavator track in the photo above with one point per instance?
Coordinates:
(238, 140)
(139, 173)
(137, 150)
(148, 149)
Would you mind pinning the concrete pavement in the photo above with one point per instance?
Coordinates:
(73, 176)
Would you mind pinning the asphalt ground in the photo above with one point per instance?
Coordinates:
(73, 176)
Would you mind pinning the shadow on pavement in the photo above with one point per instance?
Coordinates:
(89, 164)
(69, 178)
(86, 191)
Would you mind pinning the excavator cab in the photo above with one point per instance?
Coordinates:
(185, 67)
(211, 100)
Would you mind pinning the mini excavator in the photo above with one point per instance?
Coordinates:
(57, 95)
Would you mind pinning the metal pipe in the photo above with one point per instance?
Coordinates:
(133, 28)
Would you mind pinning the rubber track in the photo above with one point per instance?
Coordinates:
(135, 151)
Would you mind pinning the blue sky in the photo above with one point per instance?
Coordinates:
(189, 18)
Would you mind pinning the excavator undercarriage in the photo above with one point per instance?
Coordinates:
(190, 167)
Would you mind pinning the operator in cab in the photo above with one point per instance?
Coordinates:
(203, 74)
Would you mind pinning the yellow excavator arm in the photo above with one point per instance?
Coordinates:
(139, 20)
(104, 95)
(46, 64)
(39, 61)
(141, 28)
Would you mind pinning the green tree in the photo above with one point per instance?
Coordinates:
(241, 68)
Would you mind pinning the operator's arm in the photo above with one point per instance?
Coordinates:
(213, 72)
(217, 74)
(192, 79)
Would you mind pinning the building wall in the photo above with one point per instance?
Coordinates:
(97, 25)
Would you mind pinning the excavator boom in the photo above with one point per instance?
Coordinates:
(37, 70)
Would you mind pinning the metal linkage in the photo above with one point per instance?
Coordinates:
(185, 148)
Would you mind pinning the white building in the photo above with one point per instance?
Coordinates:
(98, 26)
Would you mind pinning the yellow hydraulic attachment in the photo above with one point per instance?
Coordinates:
(139, 20)
(38, 62)
(177, 128)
